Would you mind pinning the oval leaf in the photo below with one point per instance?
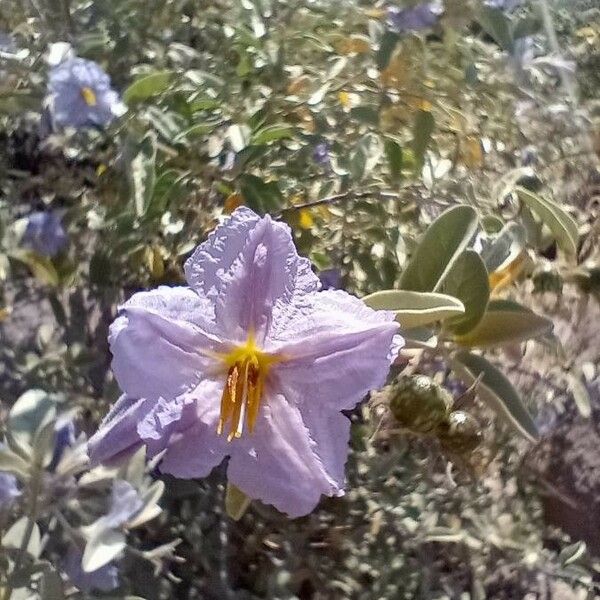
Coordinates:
(102, 548)
(14, 537)
(441, 245)
(414, 309)
(468, 281)
(147, 86)
(497, 391)
(561, 224)
(505, 322)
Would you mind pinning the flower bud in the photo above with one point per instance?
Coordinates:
(418, 403)
(461, 433)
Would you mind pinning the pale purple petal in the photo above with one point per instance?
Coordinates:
(117, 434)
(9, 490)
(247, 281)
(330, 432)
(176, 416)
(215, 256)
(337, 350)
(277, 463)
(198, 432)
(155, 353)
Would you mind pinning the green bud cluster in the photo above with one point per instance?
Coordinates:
(421, 406)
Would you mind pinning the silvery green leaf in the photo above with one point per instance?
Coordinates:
(147, 86)
(496, 390)
(43, 444)
(414, 309)
(468, 281)
(563, 227)
(572, 553)
(13, 463)
(505, 322)
(32, 410)
(13, 538)
(442, 244)
(103, 547)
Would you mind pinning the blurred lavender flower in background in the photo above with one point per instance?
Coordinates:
(274, 362)
(81, 96)
(8, 489)
(104, 579)
(415, 18)
(331, 279)
(44, 233)
(321, 153)
(529, 156)
(65, 438)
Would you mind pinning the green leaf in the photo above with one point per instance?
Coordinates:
(101, 548)
(497, 391)
(41, 267)
(496, 24)
(468, 281)
(259, 195)
(13, 463)
(239, 137)
(386, 48)
(422, 130)
(572, 553)
(393, 153)
(142, 173)
(414, 309)
(236, 502)
(505, 322)
(561, 224)
(32, 410)
(443, 242)
(365, 114)
(147, 86)
(272, 133)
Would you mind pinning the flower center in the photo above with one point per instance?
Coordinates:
(89, 96)
(248, 367)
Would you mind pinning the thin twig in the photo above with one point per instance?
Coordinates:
(349, 195)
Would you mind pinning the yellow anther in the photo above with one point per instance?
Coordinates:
(247, 370)
(89, 96)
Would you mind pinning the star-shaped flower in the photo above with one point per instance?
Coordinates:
(250, 362)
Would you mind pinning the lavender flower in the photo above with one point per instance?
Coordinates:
(8, 489)
(250, 361)
(44, 233)
(81, 95)
(415, 18)
(331, 279)
(125, 502)
(104, 579)
(65, 438)
(321, 153)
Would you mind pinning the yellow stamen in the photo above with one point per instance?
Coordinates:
(247, 370)
(89, 96)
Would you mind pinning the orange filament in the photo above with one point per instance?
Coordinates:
(248, 367)
(89, 96)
